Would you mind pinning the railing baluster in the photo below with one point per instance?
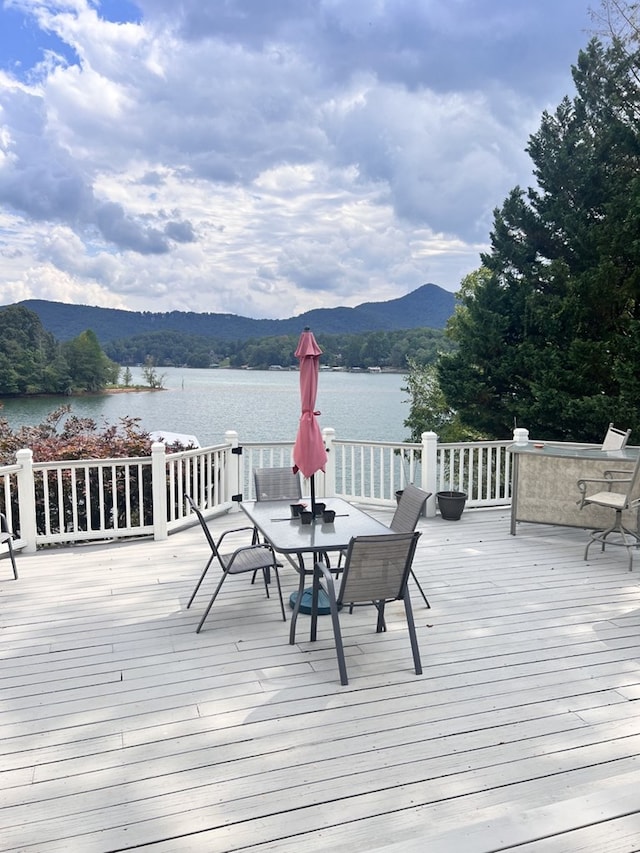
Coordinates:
(74, 500)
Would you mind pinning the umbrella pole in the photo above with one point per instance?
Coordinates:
(313, 494)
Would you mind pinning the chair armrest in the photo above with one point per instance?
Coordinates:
(233, 530)
(608, 481)
(327, 580)
(323, 570)
(582, 484)
(4, 524)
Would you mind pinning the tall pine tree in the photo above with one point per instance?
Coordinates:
(548, 331)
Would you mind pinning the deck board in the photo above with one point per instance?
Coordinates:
(122, 729)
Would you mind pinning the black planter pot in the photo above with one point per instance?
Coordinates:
(451, 504)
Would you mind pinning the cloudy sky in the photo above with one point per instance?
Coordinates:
(265, 157)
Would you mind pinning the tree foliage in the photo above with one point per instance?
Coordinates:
(89, 367)
(618, 19)
(548, 329)
(63, 435)
(390, 349)
(429, 410)
(151, 375)
(30, 359)
(33, 362)
(74, 500)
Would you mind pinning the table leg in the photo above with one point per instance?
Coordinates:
(314, 605)
(296, 609)
(514, 494)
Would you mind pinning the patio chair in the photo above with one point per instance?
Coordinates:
(406, 517)
(277, 484)
(6, 537)
(615, 439)
(375, 572)
(621, 494)
(404, 520)
(246, 559)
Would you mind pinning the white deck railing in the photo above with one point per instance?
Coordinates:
(68, 501)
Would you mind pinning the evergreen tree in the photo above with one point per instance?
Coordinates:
(89, 367)
(548, 330)
(30, 358)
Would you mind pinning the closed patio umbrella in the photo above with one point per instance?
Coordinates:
(309, 453)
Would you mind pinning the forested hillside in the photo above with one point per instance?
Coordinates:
(32, 361)
(376, 349)
(427, 307)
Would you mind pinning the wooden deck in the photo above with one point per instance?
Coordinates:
(121, 729)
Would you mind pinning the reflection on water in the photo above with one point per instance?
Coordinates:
(259, 405)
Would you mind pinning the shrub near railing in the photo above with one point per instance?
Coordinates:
(114, 498)
(81, 500)
(93, 499)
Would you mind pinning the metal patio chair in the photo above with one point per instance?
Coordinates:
(615, 439)
(621, 494)
(6, 538)
(277, 484)
(375, 572)
(405, 518)
(257, 557)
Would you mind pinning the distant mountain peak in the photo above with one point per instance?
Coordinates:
(429, 306)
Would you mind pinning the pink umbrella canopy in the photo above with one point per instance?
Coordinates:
(309, 454)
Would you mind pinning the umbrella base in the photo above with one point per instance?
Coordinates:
(305, 605)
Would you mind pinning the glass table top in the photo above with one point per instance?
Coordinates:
(290, 536)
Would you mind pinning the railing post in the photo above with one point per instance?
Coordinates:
(159, 490)
(27, 499)
(329, 436)
(430, 470)
(235, 473)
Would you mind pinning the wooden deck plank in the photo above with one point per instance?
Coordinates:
(120, 727)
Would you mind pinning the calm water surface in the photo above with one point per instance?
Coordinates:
(259, 405)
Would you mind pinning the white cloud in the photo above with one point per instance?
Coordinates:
(268, 158)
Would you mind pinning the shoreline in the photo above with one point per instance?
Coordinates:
(81, 394)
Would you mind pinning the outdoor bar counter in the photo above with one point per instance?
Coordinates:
(545, 477)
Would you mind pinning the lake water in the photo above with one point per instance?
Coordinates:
(259, 405)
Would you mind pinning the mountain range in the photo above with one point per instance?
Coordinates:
(427, 307)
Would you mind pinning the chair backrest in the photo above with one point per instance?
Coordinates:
(409, 507)
(377, 567)
(615, 439)
(632, 488)
(195, 508)
(277, 484)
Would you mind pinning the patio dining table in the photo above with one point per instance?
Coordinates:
(304, 543)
